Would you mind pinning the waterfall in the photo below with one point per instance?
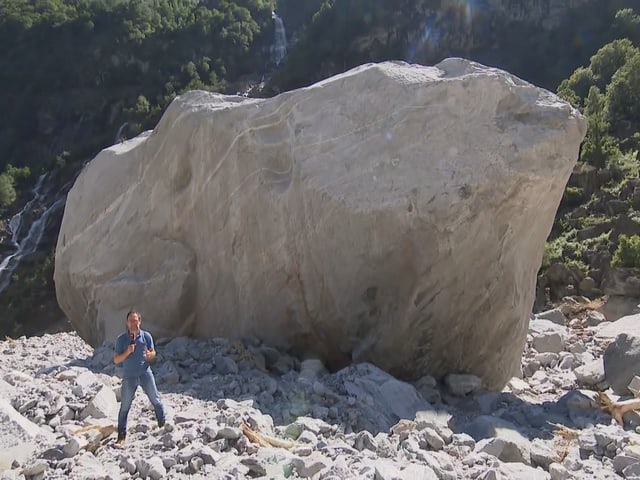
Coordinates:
(120, 135)
(26, 244)
(280, 40)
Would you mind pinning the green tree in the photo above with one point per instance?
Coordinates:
(623, 95)
(7, 190)
(593, 151)
(627, 25)
(602, 67)
(577, 86)
(609, 59)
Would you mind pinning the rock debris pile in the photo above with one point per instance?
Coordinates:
(245, 410)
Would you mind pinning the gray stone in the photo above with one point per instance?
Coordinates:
(622, 461)
(547, 359)
(632, 471)
(629, 324)
(548, 342)
(229, 433)
(583, 399)
(542, 454)
(622, 362)
(541, 326)
(19, 436)
(364, 440)
(519, 471)
(555, 315)
(389, 397)
(506, 450)
(432, 418)
(434, 441)
(421, 472)
(225, 365)
(305, 223)
(151, 467)
(309, 466)
(102, 405)
(558, 472)
(36, 468)
(88, 467)
(128, 465)
(74, 445)
(634, 385)
(385, 470)
(590, 374)
(594, 318)
(462, 384)
(490, 475)
(427, 387)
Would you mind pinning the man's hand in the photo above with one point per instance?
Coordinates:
(149, 354)
(119, 358)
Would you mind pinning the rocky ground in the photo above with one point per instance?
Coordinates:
(245, 410)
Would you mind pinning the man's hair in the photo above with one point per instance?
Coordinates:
(131, 312)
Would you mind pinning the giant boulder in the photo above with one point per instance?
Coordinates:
(394, 214)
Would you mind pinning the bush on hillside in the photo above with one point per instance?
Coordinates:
(7, 190)
(573, 196)
(628, 252)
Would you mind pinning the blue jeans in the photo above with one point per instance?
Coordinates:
(128, 392)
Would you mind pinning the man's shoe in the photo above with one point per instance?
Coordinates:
(121, 438)
(161, 423)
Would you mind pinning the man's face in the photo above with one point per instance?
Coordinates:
(133, 322)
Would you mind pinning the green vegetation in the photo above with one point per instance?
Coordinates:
(628, 252)
(7, 190)
(603, 196)
(73, 71)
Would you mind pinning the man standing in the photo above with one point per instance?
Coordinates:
(134, 349)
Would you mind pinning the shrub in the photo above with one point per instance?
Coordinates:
(572, 197)
(7, 190)
(628, 252)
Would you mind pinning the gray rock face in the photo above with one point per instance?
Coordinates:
(622, 362)
(394, 214)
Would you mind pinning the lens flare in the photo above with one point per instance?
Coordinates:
(452, 16)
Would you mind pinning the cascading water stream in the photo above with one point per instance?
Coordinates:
(28, 243)
(280, 40)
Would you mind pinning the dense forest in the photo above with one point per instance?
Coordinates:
(77, 75)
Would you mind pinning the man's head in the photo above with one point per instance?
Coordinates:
(133, 321)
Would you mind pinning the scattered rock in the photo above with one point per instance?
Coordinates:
(359, 422)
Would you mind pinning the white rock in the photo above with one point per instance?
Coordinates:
(83, 383)
(517, 385)
(309, 466)
(519, 471)
(36, 468)
(324, 199)
(629, 324)
(548, 342)
(432, 438)
(507, 450)
(390, 398)
(74, 445)
(591, 373)
(102, 405)
(558, 472)
(555, 315)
